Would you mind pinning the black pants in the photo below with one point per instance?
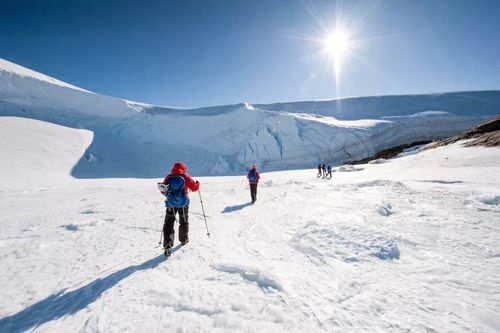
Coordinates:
(168, 227)
(253, 192)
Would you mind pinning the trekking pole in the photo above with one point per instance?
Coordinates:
(204, 216)
(161, 238)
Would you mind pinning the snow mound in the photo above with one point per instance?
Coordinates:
(388, 251)
(268, 183)
(252, 274)
(385, 209)
(493, 200)
(378, 161)
(395, 186)
(349, 168)
(489, 202)
(40, 152)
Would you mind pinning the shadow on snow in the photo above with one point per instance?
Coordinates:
(64, 303)
(230, 209)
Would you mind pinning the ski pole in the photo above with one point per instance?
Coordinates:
(161, 235)
(204, 216)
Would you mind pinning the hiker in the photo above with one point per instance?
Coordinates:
(329, 169)
(319, 170)
(323, 168)
(177, 202)
(253, 179)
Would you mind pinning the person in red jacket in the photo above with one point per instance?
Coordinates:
(253, 178)
(177, 202)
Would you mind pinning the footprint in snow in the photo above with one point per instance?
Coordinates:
(70, 227)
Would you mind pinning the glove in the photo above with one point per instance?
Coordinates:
(197, 183)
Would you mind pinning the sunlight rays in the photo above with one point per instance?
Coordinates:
(338, 38)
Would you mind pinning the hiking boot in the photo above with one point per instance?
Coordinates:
(185, 242)
(168, 252)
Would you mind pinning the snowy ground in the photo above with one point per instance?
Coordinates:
(412, 244)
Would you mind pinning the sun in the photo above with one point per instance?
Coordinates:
(336, 44)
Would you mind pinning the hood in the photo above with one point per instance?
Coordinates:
(178, 169)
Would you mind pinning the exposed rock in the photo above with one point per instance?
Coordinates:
(388, 153)
(486, 134)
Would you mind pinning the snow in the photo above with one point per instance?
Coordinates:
(411, 244)
(14, 70)
(225, 140)
(38, 153)
(384, 209)
(311, 255)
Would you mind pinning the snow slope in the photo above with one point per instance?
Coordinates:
(37, 154)
(133, 139)
(412, 244)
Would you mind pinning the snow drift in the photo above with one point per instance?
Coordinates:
(38, 154)
(133, 139)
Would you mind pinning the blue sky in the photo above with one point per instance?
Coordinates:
(208, 52)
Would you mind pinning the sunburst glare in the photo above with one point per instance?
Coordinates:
(338, 38)
(336, 45)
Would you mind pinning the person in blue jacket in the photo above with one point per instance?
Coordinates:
(253, 179)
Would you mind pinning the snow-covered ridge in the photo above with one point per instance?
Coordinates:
(15, 69)
(482, 103)
(134, 139)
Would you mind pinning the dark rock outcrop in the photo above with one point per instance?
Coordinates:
(389, 153)
(486, 134)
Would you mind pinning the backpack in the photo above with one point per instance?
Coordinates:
(252, 176)
(176, 195)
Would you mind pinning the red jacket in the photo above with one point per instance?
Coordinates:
(179, 169)
(256, 176)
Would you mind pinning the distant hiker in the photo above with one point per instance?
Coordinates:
(323, 168)
(177, 202)
(253, 179)
(329, 169)
(319, 169)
